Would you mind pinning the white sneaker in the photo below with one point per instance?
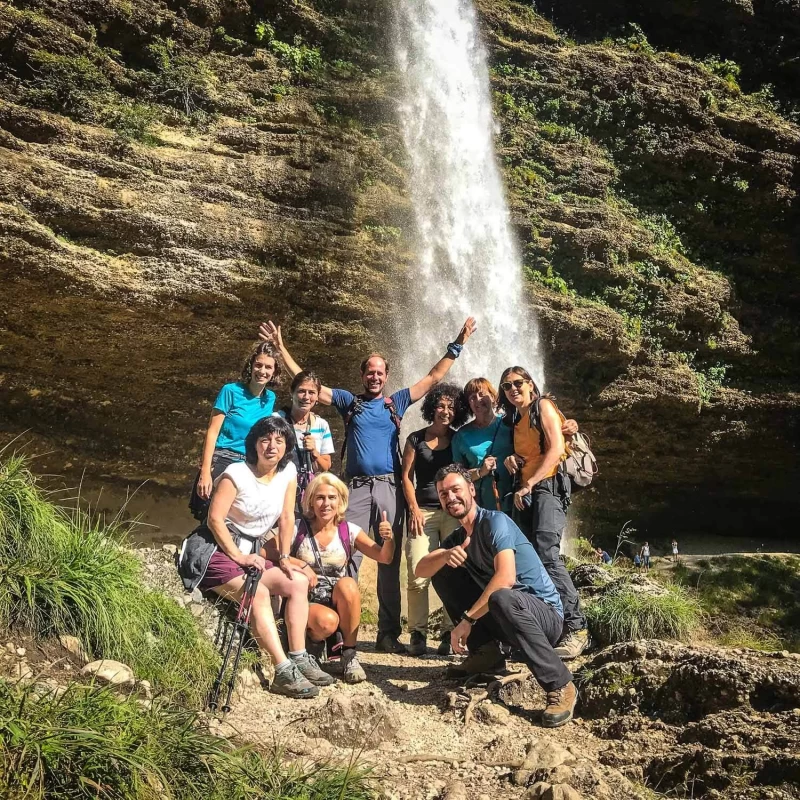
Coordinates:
(352, 671)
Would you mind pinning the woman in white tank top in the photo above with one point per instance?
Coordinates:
(249, 498)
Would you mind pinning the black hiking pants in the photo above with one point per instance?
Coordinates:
(515, 617)
(543, 524)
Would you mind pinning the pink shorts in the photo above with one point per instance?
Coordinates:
(222, 569)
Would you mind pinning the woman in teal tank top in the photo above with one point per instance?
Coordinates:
(239, 405)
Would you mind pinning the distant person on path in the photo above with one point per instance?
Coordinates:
(372, 423)
(637, 562)
(602, 556)
(238, 407)
(249, 498)
(541, 502)
(675, 553)
(490, 579)
(314, 443)
(483, 444)
(323, 547)
(645, 554)
(426, 452)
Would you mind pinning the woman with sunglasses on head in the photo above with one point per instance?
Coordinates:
(239, 405)
(483, 444)
(543, 493)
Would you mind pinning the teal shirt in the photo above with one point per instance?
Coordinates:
(242, 410)
(472, 444)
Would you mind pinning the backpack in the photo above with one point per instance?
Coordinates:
(580, 463)
(356, 407)
(303, 531)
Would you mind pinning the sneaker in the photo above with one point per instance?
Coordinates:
(445, 648)
(572, 644)
(389, 644)
(560, 705)
(291, 683)
(419, 644)
(487, 658)
(309, 668)
(352, 671)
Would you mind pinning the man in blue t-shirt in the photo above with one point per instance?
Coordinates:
(372, 428)
(491, 580)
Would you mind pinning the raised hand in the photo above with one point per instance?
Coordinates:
(470, 326)
(270, 332)
(458, 554)
(385, 528)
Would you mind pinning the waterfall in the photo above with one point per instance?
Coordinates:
(467, 258)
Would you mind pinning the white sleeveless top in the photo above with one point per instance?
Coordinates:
(257, 506)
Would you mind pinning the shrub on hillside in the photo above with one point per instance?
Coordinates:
(630, 610)
(63, 573)
(86, 743)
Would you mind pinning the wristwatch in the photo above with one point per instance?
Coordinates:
(467, 618)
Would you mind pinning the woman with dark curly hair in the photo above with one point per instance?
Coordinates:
(239, 405)
(249, 498)
(426, 451)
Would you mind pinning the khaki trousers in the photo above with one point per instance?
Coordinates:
(438, 526)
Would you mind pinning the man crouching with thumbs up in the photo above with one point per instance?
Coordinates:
(491, 580)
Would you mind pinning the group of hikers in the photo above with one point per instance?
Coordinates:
(481, 491)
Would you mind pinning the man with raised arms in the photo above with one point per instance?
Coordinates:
(495, 587)
(372, 423)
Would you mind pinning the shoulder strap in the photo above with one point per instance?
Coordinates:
(344, 536)
(535, 417)
(302, 532)
(353, 410)
(396, 418)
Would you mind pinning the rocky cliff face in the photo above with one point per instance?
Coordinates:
(175, 171)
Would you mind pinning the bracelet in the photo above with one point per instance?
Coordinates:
(282, 556)
(455, 349)
(467, 618)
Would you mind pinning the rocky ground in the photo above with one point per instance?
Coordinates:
(654, 718)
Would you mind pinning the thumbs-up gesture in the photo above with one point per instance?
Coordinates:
(458, 554)
(385, 528)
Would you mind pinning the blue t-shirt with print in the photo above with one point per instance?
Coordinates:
(372, 438)
(472, 444)
(242, 410)
(493, 532)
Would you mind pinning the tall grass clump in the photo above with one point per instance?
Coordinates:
(627, 611)
(61, 572)
(85, 743)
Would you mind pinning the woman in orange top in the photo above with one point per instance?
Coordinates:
(541, 501)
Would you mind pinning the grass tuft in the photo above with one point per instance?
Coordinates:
(84, 742)
(62, 572)
(625, 612)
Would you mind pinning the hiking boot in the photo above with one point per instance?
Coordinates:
(419, 644)
(389, 644)
(291, 683)
(445, 648)
(560, 705)
(572, 644)
(352, 671)
(487, 658)
(308, 667)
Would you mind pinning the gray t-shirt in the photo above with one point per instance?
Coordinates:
(493, 532)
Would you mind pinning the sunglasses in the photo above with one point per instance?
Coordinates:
(517, 384)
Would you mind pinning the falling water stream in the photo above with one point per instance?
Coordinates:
(467, 258)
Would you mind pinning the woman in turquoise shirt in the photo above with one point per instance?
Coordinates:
(237, 408)
(483, 444)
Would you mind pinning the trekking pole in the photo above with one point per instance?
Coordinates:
(240, 626)
(496, 490)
